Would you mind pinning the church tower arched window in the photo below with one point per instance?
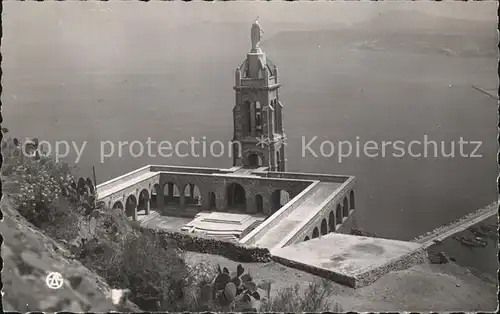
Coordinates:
(248, 117)
(258, 118)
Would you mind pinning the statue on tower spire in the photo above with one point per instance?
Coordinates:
(256, 32)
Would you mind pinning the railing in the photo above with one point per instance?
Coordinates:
(119, 180)
(250, 178)
(332, 199)
(126, 184)
(186, 172)
(230, 170)
(110, 184)
(275, 218)
(206, 170)
(304, 176)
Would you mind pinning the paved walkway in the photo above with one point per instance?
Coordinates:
(460, 225)
(298, 215)
(165, 223)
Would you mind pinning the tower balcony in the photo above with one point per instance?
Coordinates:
(271, 83)
(256, 73)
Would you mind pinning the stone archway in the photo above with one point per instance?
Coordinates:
(211, 200)
(338, 215)
(143, 204)
(351, 199)
(278, 199)
(315, 233)
(306, 239)
(331, 221)
(236, 196)
(259, 203)
(118, 205)
(131, 207)
(258, 119)
(345, 207)
(324, 227)
(254, 160)
(246, 109)
(171, 194)
(192, 195)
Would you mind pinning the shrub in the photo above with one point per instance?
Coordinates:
(316, 298)
(363, 233)
(229, 292)
(156, 276)
(41, 183)
(64, 222)
(101, 238)
(154, 273)
(237, 291)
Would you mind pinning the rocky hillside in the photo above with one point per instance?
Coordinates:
(29, 255)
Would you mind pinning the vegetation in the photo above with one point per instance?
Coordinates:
(363, 233)
(227, 293)
(50, 197)
(314, 299)
(238, 292)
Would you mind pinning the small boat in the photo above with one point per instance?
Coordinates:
(476, 242)
(467, 242)
(482, 242)
(478, 232)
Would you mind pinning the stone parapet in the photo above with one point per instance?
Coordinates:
(123, 178)
(274, 219)
(234, 251)
(304, 229)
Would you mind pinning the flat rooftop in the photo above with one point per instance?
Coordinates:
(348, 259)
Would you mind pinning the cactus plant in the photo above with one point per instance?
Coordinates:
(230, 292)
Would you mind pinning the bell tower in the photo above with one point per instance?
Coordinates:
(258, 112)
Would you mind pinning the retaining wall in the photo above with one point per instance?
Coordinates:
(413, 258)
(230, 250)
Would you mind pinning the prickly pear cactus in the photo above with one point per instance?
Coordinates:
(231, 292)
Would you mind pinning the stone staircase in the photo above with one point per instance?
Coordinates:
(222, 237)
(297, 216)
(254, 225)
(144, 219)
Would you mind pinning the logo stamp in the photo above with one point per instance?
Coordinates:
(54, 280)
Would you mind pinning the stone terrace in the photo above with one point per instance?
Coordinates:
(301, 233)
(352, 260)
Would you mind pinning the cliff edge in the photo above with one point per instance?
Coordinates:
(29, 256)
